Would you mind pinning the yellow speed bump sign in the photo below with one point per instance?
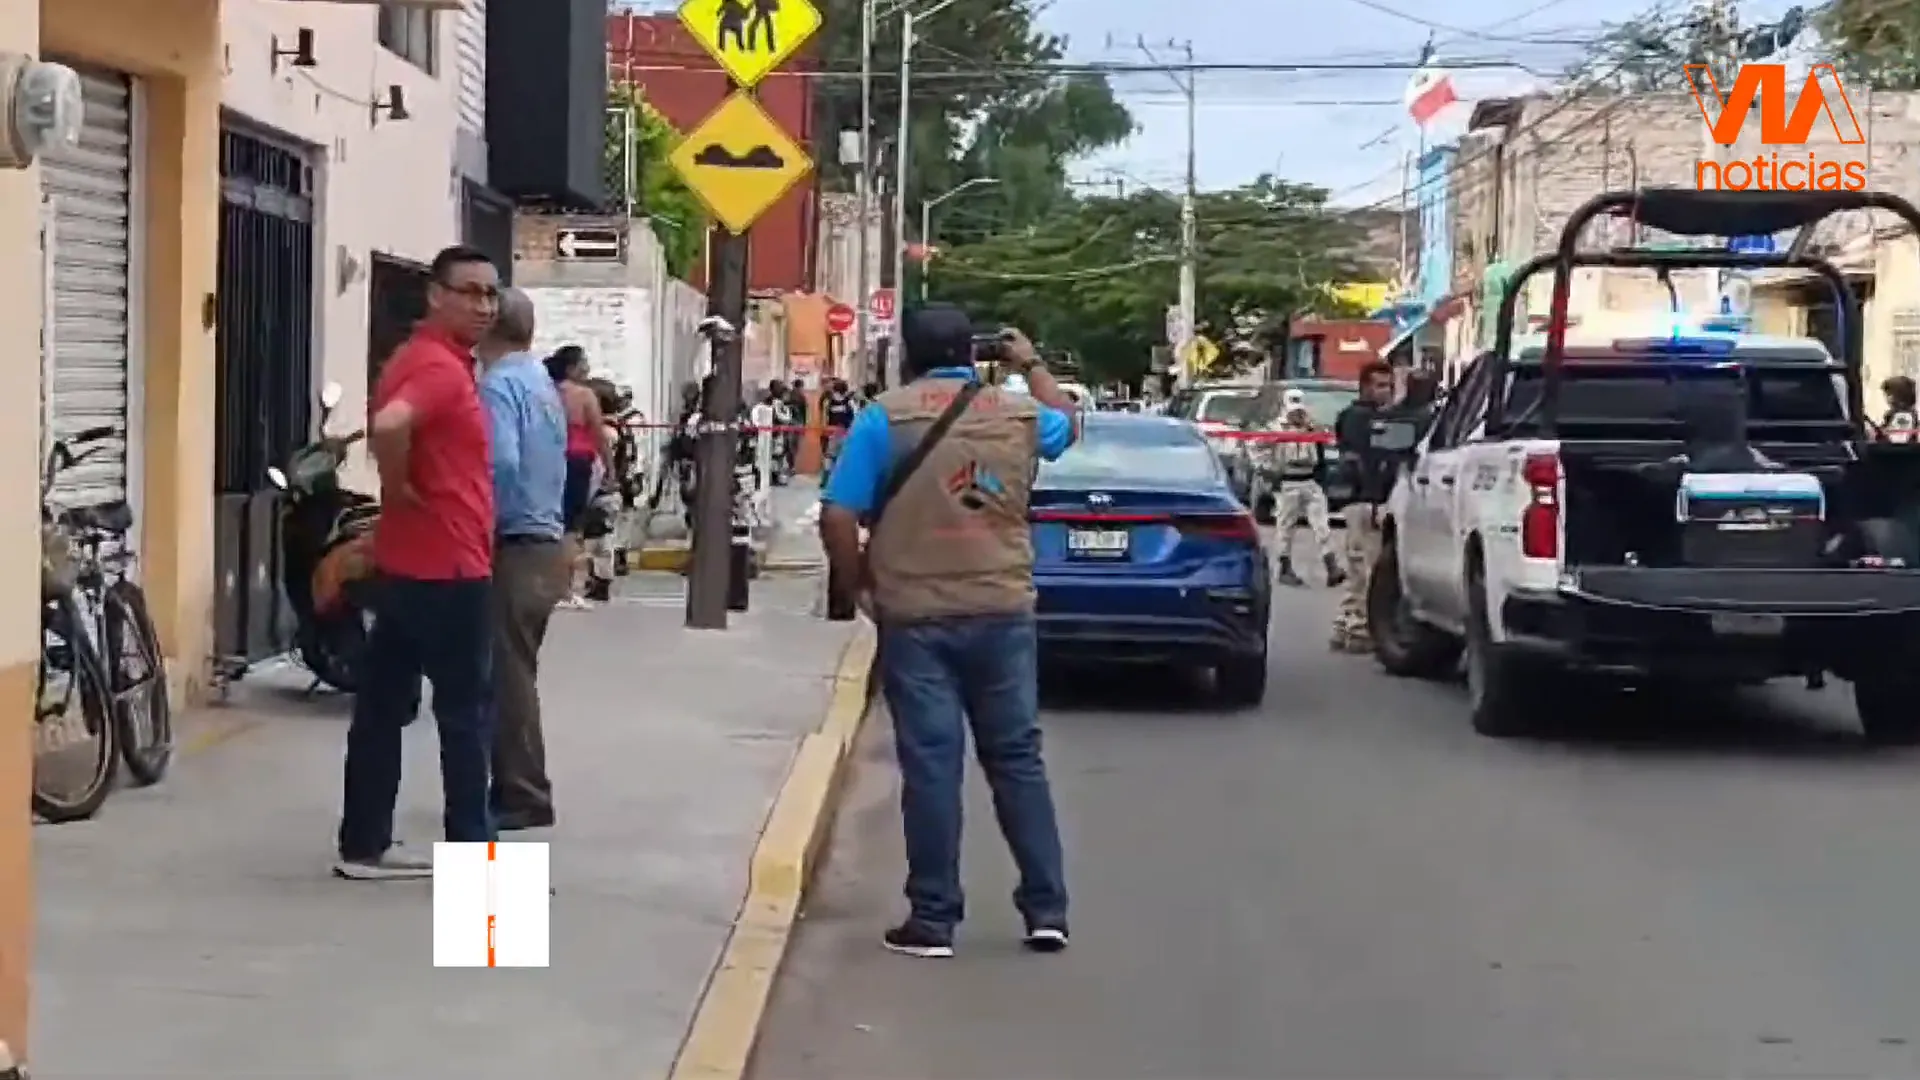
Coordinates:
(739, 162)
(750, 38)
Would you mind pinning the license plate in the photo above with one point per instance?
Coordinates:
(1749, 625)
(1097, 543)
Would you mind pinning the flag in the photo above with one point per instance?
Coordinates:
(1429, 91)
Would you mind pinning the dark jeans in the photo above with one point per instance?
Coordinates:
(941, 678)
(529, 578)
(443, 630)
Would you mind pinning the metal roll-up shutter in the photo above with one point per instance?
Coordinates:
(89, 190)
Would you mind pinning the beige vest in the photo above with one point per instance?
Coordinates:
(954, 541)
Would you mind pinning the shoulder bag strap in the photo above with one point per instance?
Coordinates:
(904, 469)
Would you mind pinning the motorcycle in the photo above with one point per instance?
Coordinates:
(326, 553)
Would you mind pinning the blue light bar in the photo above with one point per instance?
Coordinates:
(1679, 346)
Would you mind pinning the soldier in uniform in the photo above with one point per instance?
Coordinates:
(1296, 469)
(940, 471)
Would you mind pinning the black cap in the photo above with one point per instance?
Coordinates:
(936, 336)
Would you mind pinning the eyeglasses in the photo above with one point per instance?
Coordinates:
(473, 291)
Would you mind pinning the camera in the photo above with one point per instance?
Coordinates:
(990, 348)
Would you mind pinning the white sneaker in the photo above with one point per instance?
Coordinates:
(575, 603)
(395, 865)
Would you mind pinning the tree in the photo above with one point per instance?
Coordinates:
(1650, 53)
(982, 103)
(1878, 40)
(1097, 276)
(672, 211)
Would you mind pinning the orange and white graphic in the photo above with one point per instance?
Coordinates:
(491, 905)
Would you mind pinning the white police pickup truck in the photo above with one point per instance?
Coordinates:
(1678, 510)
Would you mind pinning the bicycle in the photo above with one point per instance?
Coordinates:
(91, 602)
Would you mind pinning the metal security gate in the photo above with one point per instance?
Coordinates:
(86, 370)
(263, 377)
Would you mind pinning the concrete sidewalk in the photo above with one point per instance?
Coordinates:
(193, 929)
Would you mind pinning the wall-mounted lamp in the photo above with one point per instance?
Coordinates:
(300, 56)
(395, 106)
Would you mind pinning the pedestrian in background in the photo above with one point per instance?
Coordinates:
(1901, 423)
(529, 428)
(838, 409)
(948, 577)
(432, 601)
(1370, 478)
(797, 414)
(1297, 469)
(587, 448)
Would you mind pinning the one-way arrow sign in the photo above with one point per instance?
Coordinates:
(588, 243)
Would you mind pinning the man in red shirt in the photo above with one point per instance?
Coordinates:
(433, 549)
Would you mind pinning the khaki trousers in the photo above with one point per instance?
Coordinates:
(529, 578)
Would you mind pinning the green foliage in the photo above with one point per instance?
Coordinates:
(673, 212)
(977, 106)
(1096, 276)
(1878, 40)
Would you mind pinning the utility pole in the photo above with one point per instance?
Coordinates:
(1406, 234)
(901, 155)
(1189, 211)
(863, 335)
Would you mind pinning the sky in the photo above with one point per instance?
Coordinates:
(1346, 131)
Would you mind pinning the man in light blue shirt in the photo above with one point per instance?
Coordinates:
(529, 436)
(948, 577)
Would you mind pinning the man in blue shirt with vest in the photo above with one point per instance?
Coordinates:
(947, 574)
(530, 572)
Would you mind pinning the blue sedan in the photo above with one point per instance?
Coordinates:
(1143, 554)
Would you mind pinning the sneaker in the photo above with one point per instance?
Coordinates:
(1047, 938)
(394, 865)
(916, 939)
(575, 602)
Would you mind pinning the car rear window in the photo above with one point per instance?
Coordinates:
(1133, 455)
(1812, 399)
(1224, 408)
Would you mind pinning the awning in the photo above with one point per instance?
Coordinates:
(1442, 311)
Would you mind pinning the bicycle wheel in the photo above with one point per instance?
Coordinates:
(73, 753)
(141, 710)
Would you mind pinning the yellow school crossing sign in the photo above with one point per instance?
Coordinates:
(739, 162)
(750, 37)
(1200, 354)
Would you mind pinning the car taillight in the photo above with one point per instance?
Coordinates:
(1234, 528)
(1540, 521)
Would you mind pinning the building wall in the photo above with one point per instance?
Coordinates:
(390, 186)
(19, 632)
(174, 46)
(1560, 154)
(677, 77)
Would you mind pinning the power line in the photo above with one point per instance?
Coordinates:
(702, 63)
(1374, 5)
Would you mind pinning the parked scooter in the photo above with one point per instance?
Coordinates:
(326, 553)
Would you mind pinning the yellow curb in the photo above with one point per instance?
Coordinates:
(726, 1021)
(673, 560)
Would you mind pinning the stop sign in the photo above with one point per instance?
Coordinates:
(881, 305)
(840, 318)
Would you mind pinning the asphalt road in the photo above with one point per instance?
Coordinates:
(1350, 884)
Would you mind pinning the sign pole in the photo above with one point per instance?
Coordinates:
(710, 574)
(739, 162)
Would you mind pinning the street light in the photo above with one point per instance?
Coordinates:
(901, 155)
(926, 221)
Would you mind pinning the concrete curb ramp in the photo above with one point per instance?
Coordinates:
(726, 1021)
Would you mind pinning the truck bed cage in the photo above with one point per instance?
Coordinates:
(1687, 212)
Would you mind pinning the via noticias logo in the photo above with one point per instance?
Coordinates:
(1786, 163)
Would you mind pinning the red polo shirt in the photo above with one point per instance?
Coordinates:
(447, 535)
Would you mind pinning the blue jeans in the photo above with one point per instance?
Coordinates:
(942, 677)
(444, 631)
